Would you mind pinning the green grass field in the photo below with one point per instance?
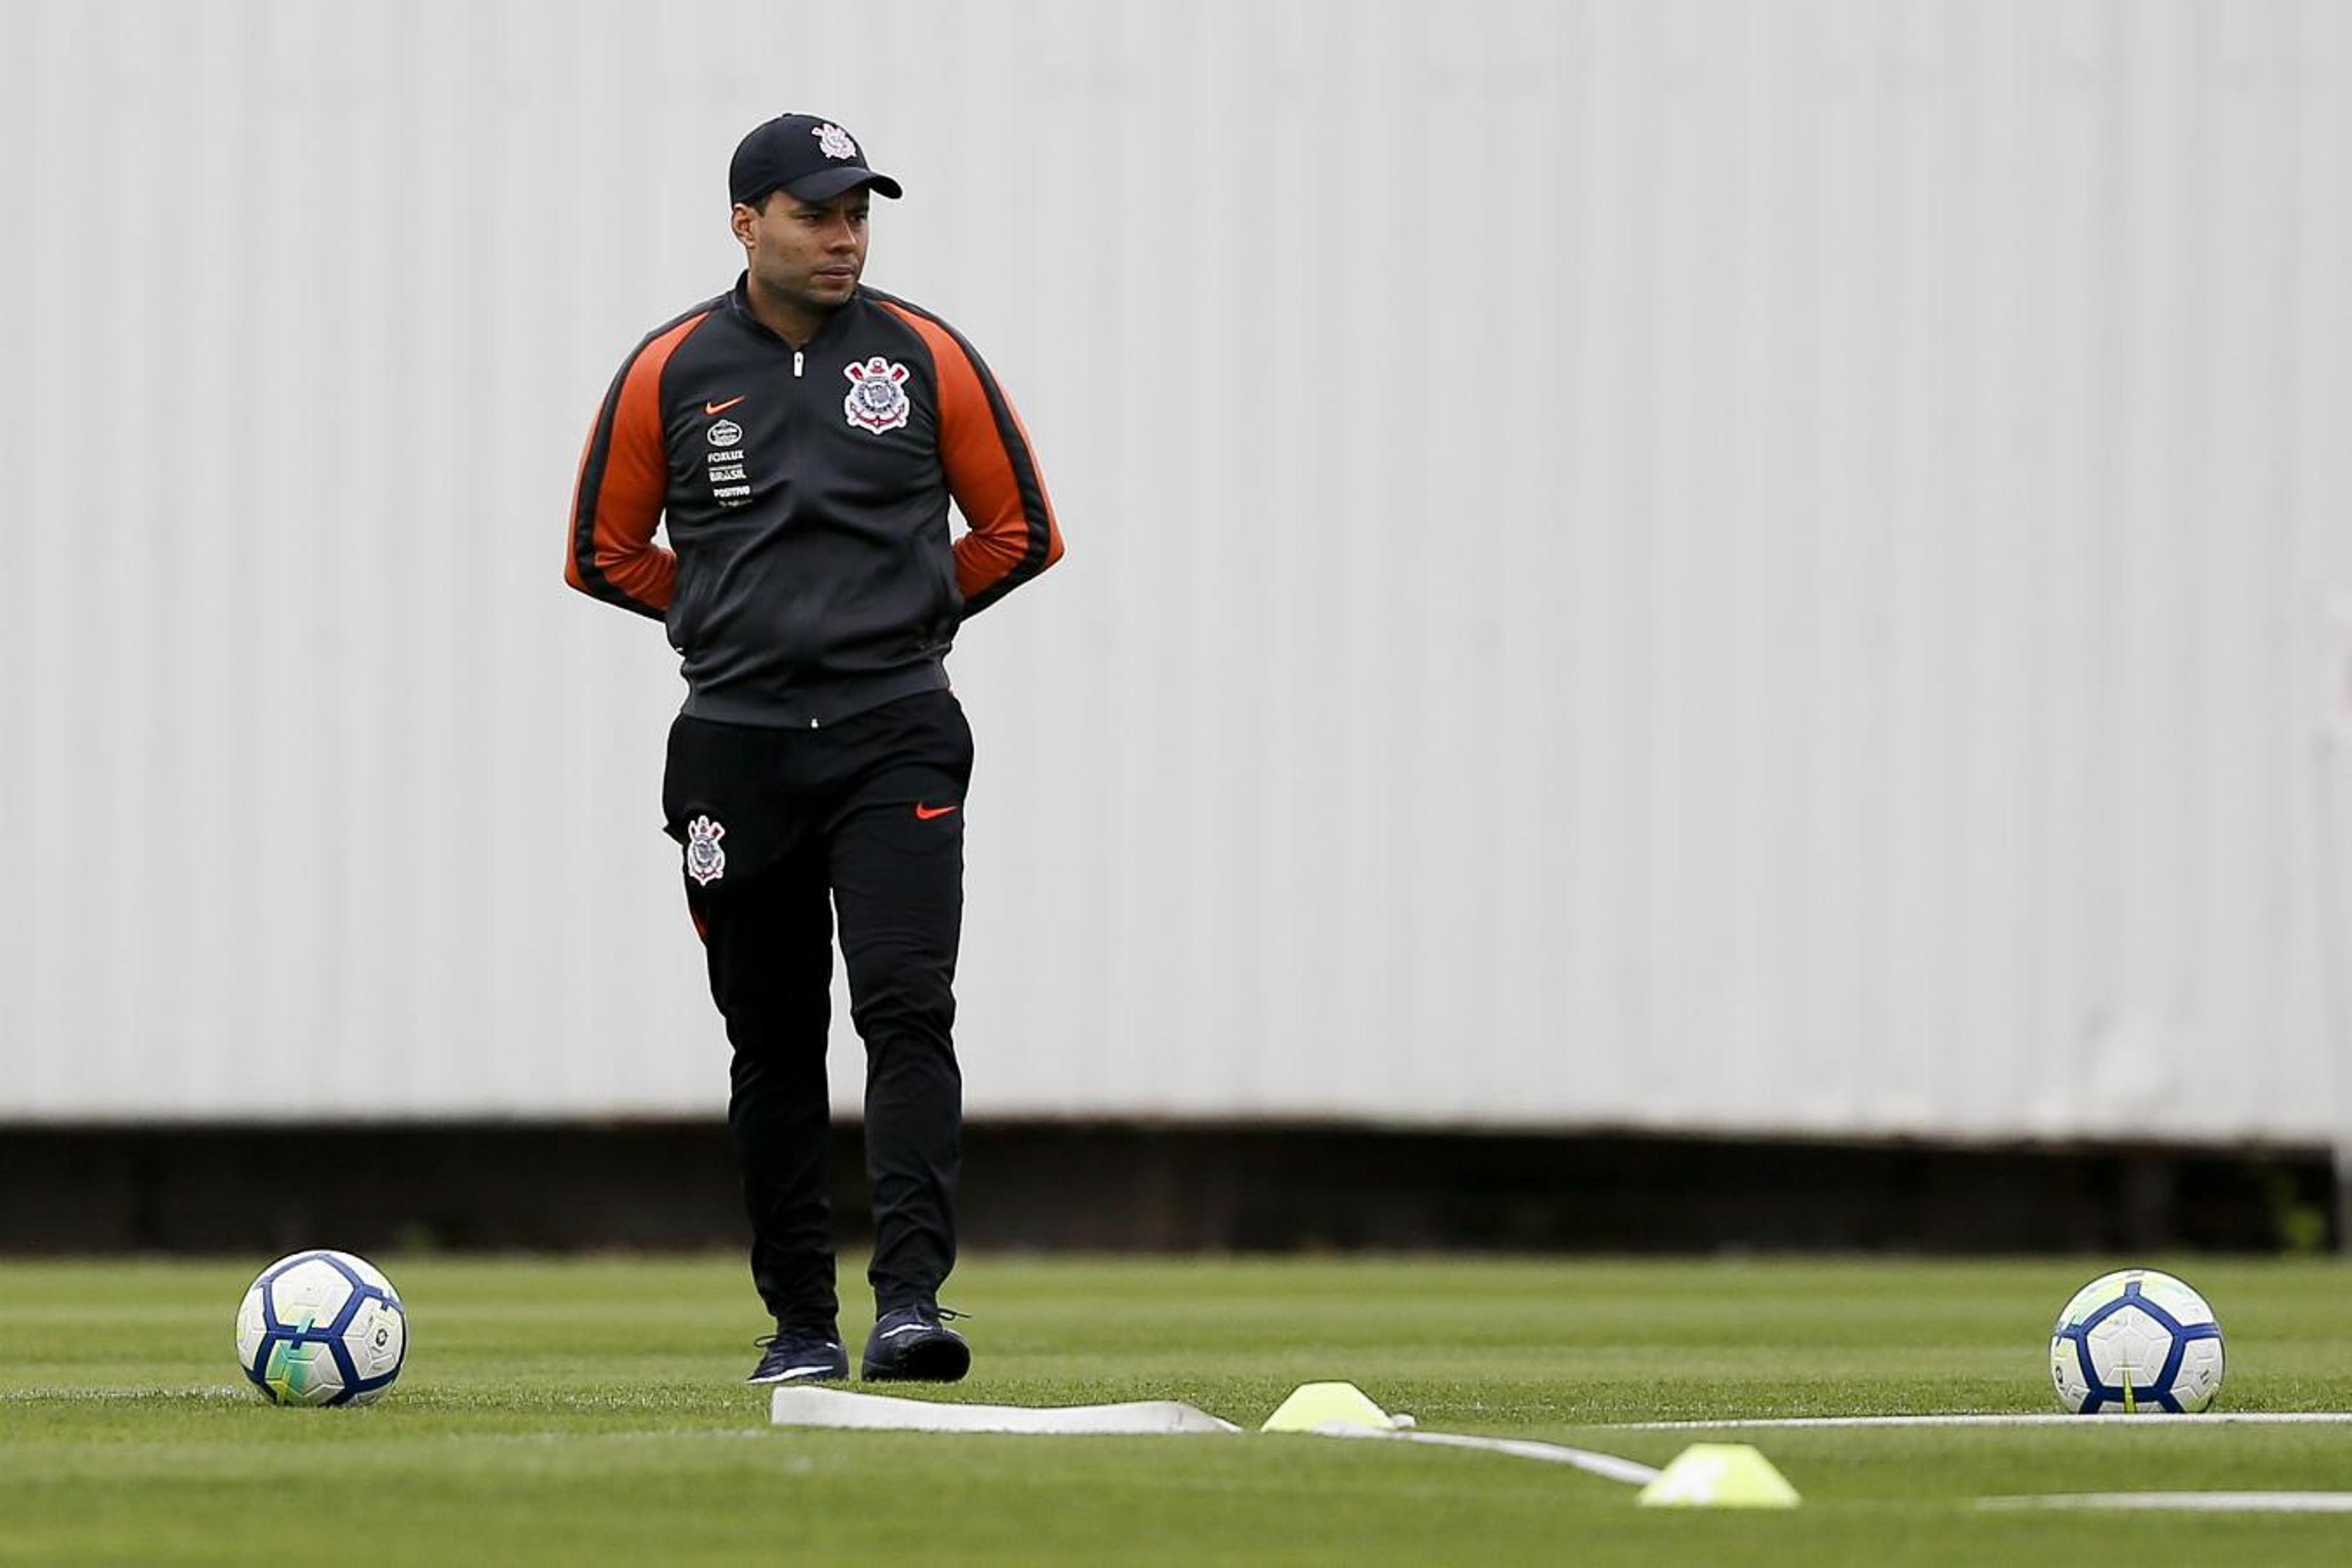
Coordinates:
(591, 1412)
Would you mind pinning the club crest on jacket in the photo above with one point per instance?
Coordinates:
(877, 395)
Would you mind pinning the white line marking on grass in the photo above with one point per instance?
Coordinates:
(2155, 1421)
(92, 1395)
(1611, 1467)
(2193, 1502)
(628, 1435)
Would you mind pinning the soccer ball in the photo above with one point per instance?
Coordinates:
(2135, 1342)
(321, 1328)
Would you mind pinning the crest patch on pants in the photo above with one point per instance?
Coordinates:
(705, 861)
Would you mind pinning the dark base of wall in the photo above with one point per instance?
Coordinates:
(1060, 1186)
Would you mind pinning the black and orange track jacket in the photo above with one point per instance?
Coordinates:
(806, 492)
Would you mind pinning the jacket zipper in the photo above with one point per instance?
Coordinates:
(796, 365)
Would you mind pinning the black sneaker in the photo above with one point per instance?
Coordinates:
(800, 1356)
(913, 1344)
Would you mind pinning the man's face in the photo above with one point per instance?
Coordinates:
(807, 256)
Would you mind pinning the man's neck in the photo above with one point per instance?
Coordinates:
(792, 324)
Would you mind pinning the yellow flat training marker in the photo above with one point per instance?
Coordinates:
(1719, 1475)
(1314, 1404)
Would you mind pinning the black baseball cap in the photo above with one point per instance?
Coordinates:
(814, 159)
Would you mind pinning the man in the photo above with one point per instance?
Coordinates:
(802, 436)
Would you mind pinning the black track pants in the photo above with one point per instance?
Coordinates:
(786, 830)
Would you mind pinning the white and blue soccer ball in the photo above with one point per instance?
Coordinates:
(321, 1328)
(2137, 1343)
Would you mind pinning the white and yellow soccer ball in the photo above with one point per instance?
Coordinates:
(321, 1328)
(2137, 1343)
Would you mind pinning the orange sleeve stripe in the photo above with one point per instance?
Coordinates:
(622, 484)
(989, 471)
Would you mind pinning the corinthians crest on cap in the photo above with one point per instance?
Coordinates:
(705, 861)
(834, 141)
(877, 395)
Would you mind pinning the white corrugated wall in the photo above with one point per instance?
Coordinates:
(1700, 565)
